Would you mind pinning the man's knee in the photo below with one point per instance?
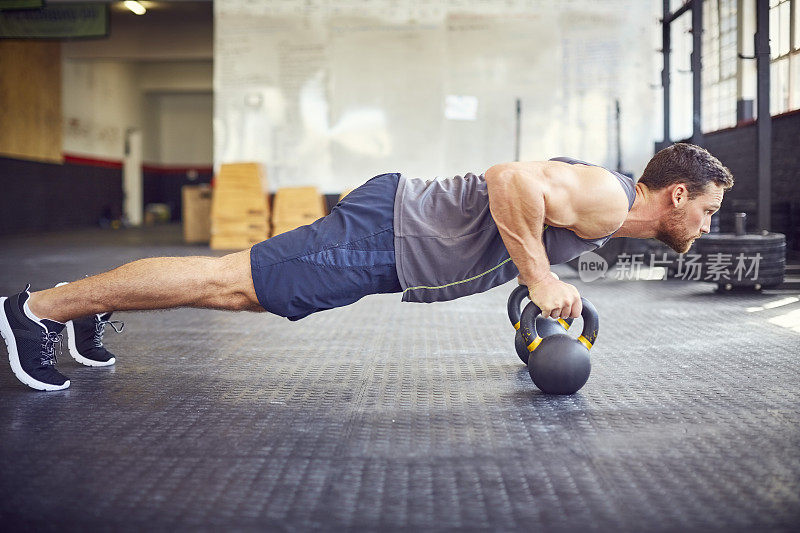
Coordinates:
(233, 283)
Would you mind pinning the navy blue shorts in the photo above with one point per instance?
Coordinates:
(335, 261)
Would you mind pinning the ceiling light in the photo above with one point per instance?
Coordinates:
(136, 7)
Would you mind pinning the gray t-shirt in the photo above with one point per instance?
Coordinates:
(447, 244)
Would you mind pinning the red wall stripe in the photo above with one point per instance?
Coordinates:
(111, 163)
(175, 170)
(105, 163)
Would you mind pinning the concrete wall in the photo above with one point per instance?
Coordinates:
(177, 76)
(102, 99)
(178, 131)
(329, 94)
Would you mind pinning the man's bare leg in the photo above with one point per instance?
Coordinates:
(154, 283)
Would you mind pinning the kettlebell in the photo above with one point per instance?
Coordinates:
(559, 364)
(544, 325)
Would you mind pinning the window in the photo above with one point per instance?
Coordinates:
(784, 42)
(720, 76)
(796, 27)
(720, 48)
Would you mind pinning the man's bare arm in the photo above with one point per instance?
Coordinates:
(517, 200)
(523, 197)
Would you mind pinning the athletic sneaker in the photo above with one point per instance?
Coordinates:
(31, 343)
(85, 338)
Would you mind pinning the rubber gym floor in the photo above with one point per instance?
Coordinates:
(387, 416)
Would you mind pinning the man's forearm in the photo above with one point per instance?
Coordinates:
(518, 208)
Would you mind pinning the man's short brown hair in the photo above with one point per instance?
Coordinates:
(686, 163)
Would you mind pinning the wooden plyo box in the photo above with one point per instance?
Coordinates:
(293, 207)
(240, 211)
(196, 213)
(283, 228)
(297, 203)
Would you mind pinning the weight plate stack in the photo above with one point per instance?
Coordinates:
(767, 251)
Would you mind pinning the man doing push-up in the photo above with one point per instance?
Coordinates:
(430, 240)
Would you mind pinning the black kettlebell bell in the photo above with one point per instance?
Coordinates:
(559, 364)
(545, 326)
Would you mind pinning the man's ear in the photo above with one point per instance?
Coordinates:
(679, 195)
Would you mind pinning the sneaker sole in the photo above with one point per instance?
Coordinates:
(73, 350)
(13, 356)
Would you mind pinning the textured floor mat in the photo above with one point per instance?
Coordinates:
(389, 416)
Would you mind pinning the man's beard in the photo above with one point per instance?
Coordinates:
(672, 232)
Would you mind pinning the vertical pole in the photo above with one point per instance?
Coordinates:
(619, 140)
(519, 119)
(697, 72)
(764, 124)
(132, 177)
(665, 50)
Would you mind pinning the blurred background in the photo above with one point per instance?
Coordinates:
(108, 109)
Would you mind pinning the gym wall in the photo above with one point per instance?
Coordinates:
(107, 85)
(177, 127)
(101, 100)
(104, 98)
(737, 149)
(329, 95)
(162, 89)
(39, 196)
(177, 137)
(170, 102)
